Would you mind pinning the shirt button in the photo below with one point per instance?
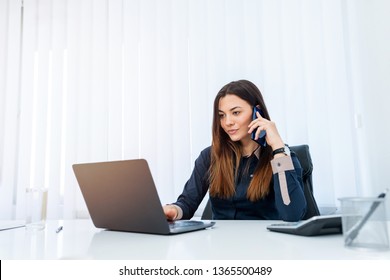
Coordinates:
(279, 164)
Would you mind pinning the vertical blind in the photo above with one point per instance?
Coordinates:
(98, 80)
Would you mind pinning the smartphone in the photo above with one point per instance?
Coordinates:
(261, 139)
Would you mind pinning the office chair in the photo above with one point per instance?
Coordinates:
(303, 154)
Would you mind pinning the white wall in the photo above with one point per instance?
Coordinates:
(370, 45)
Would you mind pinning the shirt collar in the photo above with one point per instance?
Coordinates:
(257, 152)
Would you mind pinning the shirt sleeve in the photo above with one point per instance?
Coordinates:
(196, 187)
(288, 186)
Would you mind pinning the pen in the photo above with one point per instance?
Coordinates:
(59, 229)
(356, 228)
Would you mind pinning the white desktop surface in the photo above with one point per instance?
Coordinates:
(230, 240)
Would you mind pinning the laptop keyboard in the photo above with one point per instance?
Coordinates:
(287, 224)
(181, 224)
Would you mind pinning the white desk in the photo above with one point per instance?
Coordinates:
(232, 240)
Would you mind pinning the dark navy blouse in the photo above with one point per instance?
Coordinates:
(288, 206)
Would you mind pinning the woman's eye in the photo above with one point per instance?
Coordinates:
(236, 113)
(221, 116)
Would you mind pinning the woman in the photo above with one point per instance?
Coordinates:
(245, 180)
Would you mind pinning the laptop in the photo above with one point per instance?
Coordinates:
(122, 196)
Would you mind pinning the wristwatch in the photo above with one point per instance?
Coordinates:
(285, 150)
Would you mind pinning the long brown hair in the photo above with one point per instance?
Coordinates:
(226, 154)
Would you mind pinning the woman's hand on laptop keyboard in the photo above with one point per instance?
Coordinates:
(171, 212)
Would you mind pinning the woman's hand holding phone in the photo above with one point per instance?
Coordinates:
(261, 128)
